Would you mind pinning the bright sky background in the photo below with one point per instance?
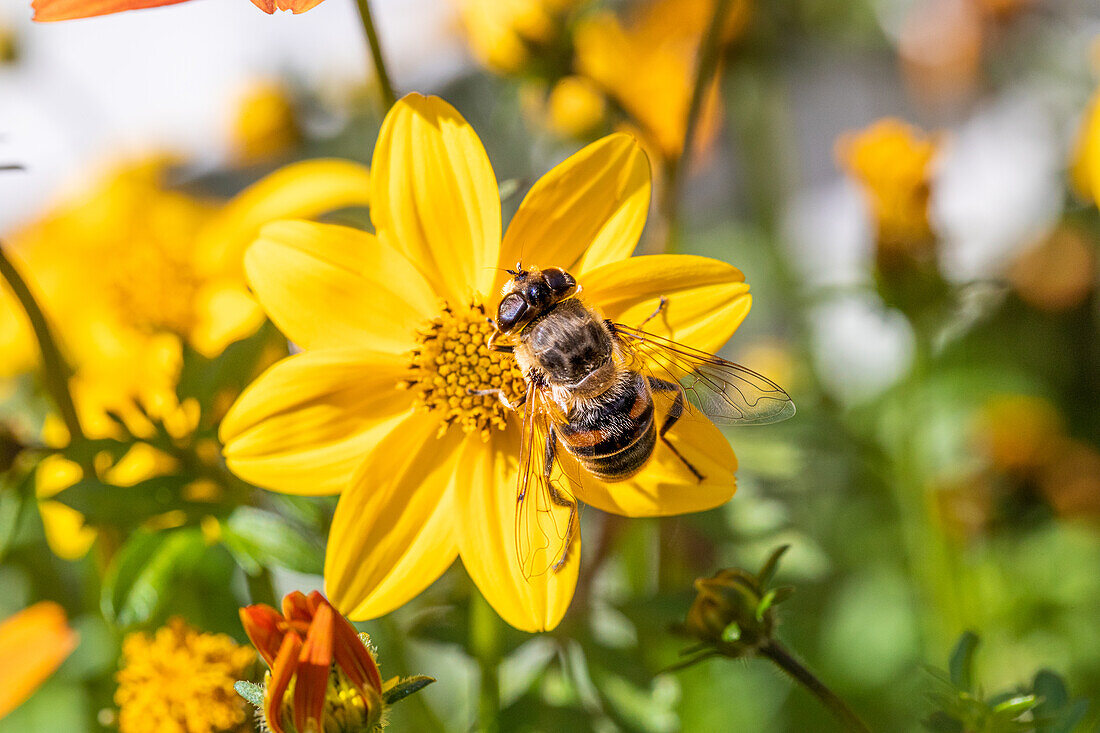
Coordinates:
(91, 90)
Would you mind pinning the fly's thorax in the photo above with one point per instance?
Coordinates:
(571, 346)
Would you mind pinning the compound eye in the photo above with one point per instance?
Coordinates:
(511, 311)
(537, 293)
(561, 282)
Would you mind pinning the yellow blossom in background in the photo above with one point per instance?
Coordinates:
(130, 271)
(1085, 157)
(892, 163)
(503, 33)
(647, 64)
(180, 679)
(1017, 432)
(265, 124)
(33, 644)
(393, 328)
(575, 107)
(1058, 273)
(9, 44)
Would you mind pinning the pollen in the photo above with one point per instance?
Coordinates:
(454, 373)
(180, 679)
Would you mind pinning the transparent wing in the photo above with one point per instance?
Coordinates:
(728, 393)
(546, 512)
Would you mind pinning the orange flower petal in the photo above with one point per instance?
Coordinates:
(50, 10)
(295, 6)
(296, 608)
(314, 662)
(262, 624)
(33, 644)
(354, 658)
(286, 663)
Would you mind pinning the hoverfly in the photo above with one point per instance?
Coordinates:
(590, 391)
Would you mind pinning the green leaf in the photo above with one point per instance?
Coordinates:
(771, 565)
(126, 506)
(203, 379)
(144, 571)
(1015, 706)
(764, 605)
(405, 687)
(962, 660)
(731, 633)
(252, 692)
(258, 538)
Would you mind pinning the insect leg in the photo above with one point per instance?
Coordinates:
(675, 412)
(499, 394)
(559, 497)
(654, 314)
(492, 344)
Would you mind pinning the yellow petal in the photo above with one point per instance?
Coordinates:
(586, 212)
(393, 532)
(707, 299)
(66, 534)
(226, 314)
(300, 190)
(307, 423)
(332, 286)
(485, 492)
(666, 486)
(434, 196)
(33, 643)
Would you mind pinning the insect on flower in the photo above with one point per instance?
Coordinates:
(592, 386)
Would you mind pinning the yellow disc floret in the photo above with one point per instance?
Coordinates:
(180, 679)
(454, 373)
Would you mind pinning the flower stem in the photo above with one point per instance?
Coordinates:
(704, 73)
(783, 659)
(388, 97)
(485, 643)
(55, 370)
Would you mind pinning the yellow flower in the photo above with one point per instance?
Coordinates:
(180, 679)
(576, 107)
(265, 125)
(502, 33)
(428, 473)
(1085, 159)
(1017, 432)
(33, 644)
(892, 162)
(648, 65)
(130, 271)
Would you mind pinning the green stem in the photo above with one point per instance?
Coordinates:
(485, 643)
(56, 371)
(704, 73)
(388, 97)
(783, 659)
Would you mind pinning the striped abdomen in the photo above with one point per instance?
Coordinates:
(612, 434)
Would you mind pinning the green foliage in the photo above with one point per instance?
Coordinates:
(1044, 706)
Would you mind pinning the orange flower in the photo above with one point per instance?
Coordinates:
(49, 10)
(33, 644)
(300, 646)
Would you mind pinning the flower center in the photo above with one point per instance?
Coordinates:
(454, 373)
